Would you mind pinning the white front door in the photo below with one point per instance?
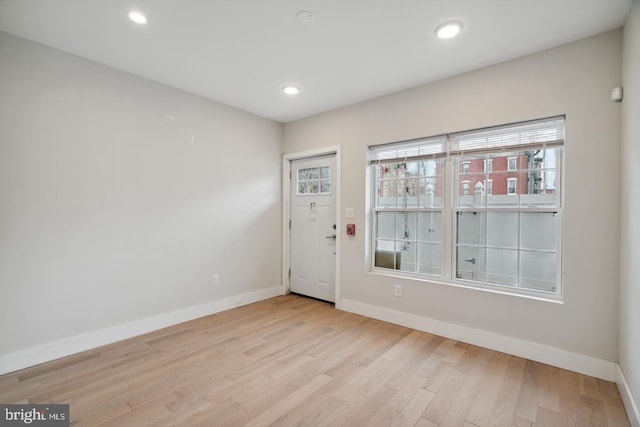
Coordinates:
(313, 227)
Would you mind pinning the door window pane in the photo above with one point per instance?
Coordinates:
(314, 181)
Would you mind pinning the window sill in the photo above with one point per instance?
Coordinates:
(556, 299)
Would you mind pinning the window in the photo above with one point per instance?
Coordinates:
(465, 187)
(497, 229)
(314, 180)
(408, 208)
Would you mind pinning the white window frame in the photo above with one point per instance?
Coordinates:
(466, 167)
(488, 165)
(515, 164)
(450, 188)
(515, 186)
(488, 185)
(466, 187)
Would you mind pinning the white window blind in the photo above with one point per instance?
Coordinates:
(411, 150)
(547, 132)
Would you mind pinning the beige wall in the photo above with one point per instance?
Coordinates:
(630, 232)
(575, 80)
(110, 211)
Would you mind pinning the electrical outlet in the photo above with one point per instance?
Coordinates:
(398, 290)
(216, 280)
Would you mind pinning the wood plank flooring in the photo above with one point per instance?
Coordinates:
(293, 361)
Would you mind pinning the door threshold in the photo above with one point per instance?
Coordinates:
(332, 304)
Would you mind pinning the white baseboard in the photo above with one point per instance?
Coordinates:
(529, 350)
(46, 352)
(630, 404)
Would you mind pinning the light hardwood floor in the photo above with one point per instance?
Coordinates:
(293, 361)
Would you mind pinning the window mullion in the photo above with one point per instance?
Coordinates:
(518, 251)
(448, 236)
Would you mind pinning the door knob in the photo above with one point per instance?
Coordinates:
(333, 236)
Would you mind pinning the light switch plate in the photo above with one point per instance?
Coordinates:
(350, 213)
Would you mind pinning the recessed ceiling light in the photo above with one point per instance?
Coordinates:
(448, 29)
(137, 17)
(290, 90)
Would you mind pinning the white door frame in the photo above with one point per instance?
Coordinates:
(286, 211)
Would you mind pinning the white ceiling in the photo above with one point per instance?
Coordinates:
(241, 52)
